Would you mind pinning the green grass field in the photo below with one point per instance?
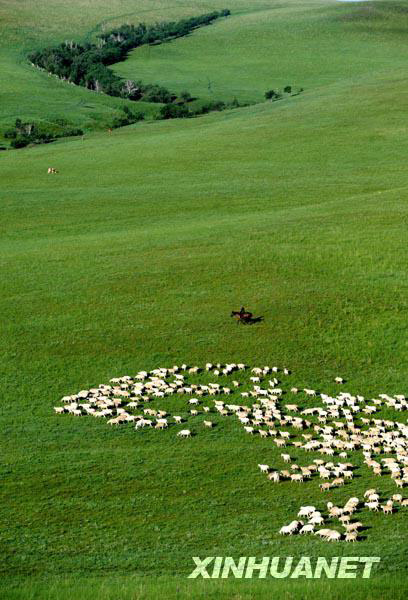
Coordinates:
(133, 256)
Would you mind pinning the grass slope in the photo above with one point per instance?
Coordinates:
(307, 45)
(132, 257)
(26, 25)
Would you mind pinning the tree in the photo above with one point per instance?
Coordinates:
(186, 96)
(19, 142)
(174, 111)
(156, 93)
(272, 95)
(29, 128)
(131, 90)
(86, 65)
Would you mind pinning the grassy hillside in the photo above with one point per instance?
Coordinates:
(307, 45)
(133, 257)
(26, 26)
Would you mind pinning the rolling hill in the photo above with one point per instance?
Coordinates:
(135, 253)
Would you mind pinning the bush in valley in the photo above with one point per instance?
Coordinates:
(213, 105)
(273, 95)
(69, 132)
(25, 133)
(19, 143)
(87, 65)
(128, 117)
(128, 37)
(174, 111)
(277, 95)
(157, 93)
(181, 111)
(186, 96)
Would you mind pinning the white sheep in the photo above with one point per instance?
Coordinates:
(317, 520)
(291, 528)
(308, 528)
(184, 433)
(350, 527)
(305, 511)
(388, 507)
(374, 506)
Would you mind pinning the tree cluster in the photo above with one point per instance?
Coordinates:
(274, 95)
(128, 37)
(87, 65)
(177, 111)
(128, 117)
(23, 134)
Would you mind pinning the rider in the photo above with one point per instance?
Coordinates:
(243, 312)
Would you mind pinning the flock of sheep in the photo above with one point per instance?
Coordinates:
(330, 425)
(342, 514)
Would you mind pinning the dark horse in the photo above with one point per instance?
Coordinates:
(242, 315)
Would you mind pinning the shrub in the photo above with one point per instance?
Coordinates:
(19, 142)
(71, 132)
(128, 118)
(214, 105)
(185, 96)
(272, 95)
(174, 111)
(34, 133)
(156, 93)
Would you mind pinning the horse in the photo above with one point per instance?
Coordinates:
(243, 316)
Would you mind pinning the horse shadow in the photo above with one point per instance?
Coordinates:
(245, 317)
(253, 320)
